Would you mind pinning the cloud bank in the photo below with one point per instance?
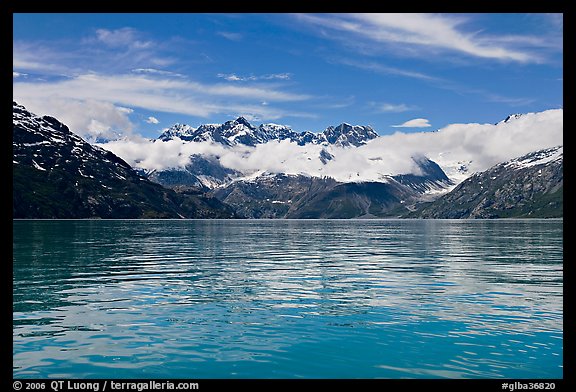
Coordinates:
(478, 145)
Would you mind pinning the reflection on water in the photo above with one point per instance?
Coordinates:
(285, 299)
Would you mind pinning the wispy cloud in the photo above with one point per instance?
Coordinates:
(161, 94)
(18, 74)
(36, 57)
(486, 95)
(414, 123)
(154, 71)
(422, 34)
(124, 68)
(231, 35)
(152, 120)
(385, 69)
(236, 78)
(123, 37)
(106, 51)
(511, 101)
(386, 107)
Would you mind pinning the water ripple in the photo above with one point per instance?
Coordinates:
(260, 299)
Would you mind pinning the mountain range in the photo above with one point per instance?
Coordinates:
(57, 174)
(206, 171)
(240, 131)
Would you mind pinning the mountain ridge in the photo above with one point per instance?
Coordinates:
(57, 174)
(527, 186)
(240, 131)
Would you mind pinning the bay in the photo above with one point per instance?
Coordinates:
(288, 299)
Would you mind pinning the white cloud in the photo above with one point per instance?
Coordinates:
(111, 53)
(483, 144)
(18, 74)
(230, 77)
(411, 33)
(124, 37)
(152, 120)
(154, 71)
(282, 76)
(38, 58)
(415, 123)
(391, 107)
(89, 118)
(235, 78)
(159, 94)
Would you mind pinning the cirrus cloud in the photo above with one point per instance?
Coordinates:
(416, 34)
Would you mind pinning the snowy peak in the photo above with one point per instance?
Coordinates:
(554, 155)
(348, 135)
(278, 132)
(181, 131)
(40, 130)
(45, 143)
(272, 128)
(240, 131)
(242, 121)
(510, 118)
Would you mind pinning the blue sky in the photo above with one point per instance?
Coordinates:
(140, 73)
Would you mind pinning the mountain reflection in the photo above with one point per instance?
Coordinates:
(259, 288)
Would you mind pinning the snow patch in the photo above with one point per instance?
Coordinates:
(539, 158)
(37, 166)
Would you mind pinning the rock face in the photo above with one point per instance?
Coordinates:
(529, 186)
(56, 174)
(297, 196)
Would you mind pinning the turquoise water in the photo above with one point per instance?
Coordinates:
(288, 299)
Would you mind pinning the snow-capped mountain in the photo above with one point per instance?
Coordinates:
(240, 131)
(510, 118)
(554, 155)
(347, 135)
(45, 144)
(280, 195)
(203, 172)
(269, 171)
(528, 186)
(181, 131)
(57, 174)
(206, 171)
